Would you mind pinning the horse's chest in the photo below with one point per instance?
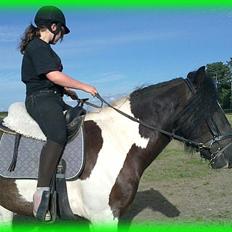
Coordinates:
(93, 193)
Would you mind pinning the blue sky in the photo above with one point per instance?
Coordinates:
(119, 50)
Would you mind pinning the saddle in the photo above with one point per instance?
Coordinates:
(74, 119)
(59, 204)
(19, 121)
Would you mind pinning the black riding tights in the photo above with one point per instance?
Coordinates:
(46, 108)
(49, 159)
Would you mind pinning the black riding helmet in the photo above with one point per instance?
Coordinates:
(47, 15)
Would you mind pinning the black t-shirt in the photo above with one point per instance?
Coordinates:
(38, 60)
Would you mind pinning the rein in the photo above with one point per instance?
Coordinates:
(169, 134)
(209, 145)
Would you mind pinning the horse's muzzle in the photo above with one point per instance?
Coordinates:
(220, 161)
(216, 161)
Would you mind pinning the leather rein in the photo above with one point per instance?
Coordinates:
(216, 135)
(171, 135)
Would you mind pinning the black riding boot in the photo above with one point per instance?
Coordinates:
(49, 159)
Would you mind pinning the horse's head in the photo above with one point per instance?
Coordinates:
(204, 121)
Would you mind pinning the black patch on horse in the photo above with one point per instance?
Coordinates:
(154, 105)
(199, 108)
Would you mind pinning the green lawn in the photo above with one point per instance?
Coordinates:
(229, 117)
(2, 115)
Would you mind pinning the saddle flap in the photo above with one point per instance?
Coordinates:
(73, 113)
(74, 119)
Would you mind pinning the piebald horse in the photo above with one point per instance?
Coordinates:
(118, 150)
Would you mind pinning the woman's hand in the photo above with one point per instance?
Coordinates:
(90, 89)
(71, 93)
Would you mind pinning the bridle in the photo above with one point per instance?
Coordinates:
(213, 145)
(217, 137)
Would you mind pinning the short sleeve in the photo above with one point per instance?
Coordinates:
(43, 60)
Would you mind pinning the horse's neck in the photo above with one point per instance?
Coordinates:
(158, 110)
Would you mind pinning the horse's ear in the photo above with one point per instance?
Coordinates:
(197, 77)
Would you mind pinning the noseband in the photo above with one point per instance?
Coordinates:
(217, 137)
(213, 145)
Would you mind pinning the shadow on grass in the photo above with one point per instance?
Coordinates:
(153, 200)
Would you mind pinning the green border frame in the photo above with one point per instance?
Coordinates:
(149, 227)
(122, 4)
(119, 3)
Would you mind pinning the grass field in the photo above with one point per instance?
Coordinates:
(2, 115)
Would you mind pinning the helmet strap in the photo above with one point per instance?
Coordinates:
(53, 39)
(56, 32)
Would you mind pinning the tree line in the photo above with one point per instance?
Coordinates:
(222, 75)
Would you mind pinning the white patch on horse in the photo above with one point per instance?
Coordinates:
(90, 198)
(6, 217)
(26, 189)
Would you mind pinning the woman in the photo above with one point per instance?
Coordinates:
(45, 86)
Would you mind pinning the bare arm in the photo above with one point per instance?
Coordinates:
(62, 79)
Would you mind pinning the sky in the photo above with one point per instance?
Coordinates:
(120, 50)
